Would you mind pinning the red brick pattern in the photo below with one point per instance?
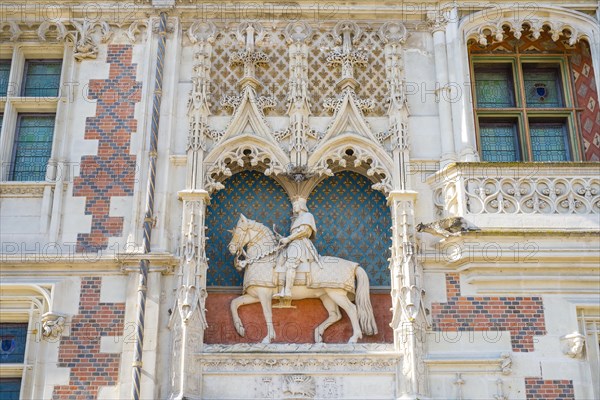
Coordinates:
(587, 99)
(112, 171)
(539, 389)
(80, 351)
(523, 317)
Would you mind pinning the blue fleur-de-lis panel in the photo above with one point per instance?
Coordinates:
(256, 196)
(353, 222)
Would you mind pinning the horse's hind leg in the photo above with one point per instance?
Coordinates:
(342, 300)
(235, 304)
(334, 316)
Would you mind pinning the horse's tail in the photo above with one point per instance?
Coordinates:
(366, 318)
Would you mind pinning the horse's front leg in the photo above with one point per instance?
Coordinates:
(235, 304)
(265, 295)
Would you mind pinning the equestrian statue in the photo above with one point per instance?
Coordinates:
(289, 268)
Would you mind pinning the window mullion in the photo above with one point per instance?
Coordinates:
(524, 137)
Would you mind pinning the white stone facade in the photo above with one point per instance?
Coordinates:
(399, 111)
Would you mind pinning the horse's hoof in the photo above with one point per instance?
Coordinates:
(240, 330)
(352, 340)
(318, 337)
(266, 340)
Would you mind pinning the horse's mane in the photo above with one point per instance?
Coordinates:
(263, 227)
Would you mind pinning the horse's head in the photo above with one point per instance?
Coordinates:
(239, 235)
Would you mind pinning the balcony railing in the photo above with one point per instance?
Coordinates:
(542, 195)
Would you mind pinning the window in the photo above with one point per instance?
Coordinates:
(524, 109)
(42, 78)
(28, 106)
(13, 341)
(32, 147)
(4, 74)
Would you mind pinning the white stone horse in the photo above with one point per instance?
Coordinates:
(260, 283)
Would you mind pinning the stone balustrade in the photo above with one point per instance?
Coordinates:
(544, 195)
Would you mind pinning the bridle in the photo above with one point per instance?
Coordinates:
(240, 246)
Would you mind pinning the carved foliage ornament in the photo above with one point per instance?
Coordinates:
(363, 158)
(240, 157)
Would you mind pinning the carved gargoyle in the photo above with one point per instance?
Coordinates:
(446, 227)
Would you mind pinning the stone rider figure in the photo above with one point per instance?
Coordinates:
(298, 247)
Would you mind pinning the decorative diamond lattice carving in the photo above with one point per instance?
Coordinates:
(273, 77)
(323, 78)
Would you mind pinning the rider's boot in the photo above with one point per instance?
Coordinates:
(290, 276)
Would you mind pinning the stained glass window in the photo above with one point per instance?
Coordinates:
(10, 388)
(499, 141)
(4, 75)
(542, 85)
(494, 85)
(42, 78)
(548, 141)
(13, 338)
(33, 146)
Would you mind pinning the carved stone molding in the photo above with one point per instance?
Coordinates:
(297, 362)
(536, 26)
(13, 29)
(23, 189)
(329, 348)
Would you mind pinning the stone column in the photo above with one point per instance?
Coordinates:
(409, 320)
(460, 92)
(437, 22)
(188, 320)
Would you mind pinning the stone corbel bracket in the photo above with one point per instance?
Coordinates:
(573, 345)
(53, 325)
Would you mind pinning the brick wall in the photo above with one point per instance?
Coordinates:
(111, 172)
(80, 351)
(537, 388)
(523, 317)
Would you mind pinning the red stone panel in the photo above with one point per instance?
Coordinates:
(291, 325)
(80, 351)
(540, 389)
(112, 171)
(523, 317)
(587, 99)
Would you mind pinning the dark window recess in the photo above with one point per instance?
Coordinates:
(10, 388)
(4, 75)
(33, 145)
(494, 86)
(499, 140)
(543, 87)
(549, 140)
(13, 338)
(42, 78)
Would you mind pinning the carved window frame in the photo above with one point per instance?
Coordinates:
(21, 305)
(589, 324)
(520, 112)
(14, 105)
